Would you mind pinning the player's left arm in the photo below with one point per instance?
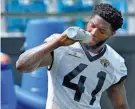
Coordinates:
(117, 95)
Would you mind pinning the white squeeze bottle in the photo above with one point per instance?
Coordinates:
(76, 33)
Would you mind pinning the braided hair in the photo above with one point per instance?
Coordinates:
(109, 14)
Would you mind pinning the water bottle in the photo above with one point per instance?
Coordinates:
(76, 33)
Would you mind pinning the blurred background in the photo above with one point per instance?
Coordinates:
(26, 23)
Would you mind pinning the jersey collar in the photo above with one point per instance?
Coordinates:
(93, 58)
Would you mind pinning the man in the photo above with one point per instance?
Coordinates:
(78, 72)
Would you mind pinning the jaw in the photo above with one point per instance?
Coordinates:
(95, 45)
(93, 42)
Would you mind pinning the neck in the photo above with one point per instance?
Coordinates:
(97, 50)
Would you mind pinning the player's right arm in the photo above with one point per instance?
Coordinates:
(41, 55)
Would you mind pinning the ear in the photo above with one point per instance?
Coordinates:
(113, 33)
(89, 17)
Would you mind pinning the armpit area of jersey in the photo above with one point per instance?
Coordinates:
(121, 80)
(52, 54)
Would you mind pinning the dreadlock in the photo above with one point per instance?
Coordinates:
(110, 14)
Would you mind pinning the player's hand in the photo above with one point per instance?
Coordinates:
(63, 40)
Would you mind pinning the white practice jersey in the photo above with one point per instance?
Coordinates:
(77, 78)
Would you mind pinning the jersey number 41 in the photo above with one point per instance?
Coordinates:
(79, 88)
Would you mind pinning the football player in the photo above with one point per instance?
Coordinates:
(78, 73)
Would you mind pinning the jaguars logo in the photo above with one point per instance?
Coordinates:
(104, 62)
